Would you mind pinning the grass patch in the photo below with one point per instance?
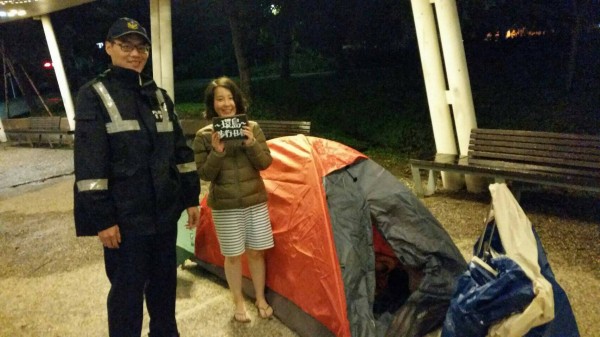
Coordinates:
(390, 159)
(187, 110)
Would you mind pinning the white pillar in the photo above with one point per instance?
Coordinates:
(57, 64)
(2, 133)
(459, 91)
(435, 85)
(155, 36)
(162, 45)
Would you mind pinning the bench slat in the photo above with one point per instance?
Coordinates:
(566, 160)
(533, 168)
(529, 158)
(536, 134)
(44, 123)
(40, 126)
(529, 141)
(275, 128)
(558, 147)
(547, 156)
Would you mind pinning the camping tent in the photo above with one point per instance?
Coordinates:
(335, 213)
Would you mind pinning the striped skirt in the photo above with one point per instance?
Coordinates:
(243, 227)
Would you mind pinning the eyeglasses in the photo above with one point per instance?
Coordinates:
(127, 48)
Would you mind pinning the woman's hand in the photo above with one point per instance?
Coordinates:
(217, 143)
(247, 131)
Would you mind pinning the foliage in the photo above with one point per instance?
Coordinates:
(515, 85)
(355, 67)
(187, 110)
(392, 160)
(302, 61)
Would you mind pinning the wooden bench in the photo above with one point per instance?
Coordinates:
(545, 158)
(274, 128)
(271, 128)
(40, 129)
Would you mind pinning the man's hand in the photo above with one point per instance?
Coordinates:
(110, 237)
(193, 217)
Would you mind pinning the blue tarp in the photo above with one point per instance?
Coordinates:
(496, 285)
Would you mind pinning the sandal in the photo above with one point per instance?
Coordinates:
(265, 312)
(241, 317)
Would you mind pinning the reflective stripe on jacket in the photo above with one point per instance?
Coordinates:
(132, 165)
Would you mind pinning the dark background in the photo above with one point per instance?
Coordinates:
(326, 35)
(354, 66)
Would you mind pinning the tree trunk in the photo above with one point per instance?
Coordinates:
(238, 36)
(581, 8)
(574, 45)
(288, 18)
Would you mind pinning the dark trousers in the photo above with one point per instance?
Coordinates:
(143, 266)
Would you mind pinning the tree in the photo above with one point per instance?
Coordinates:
(286, 13)
(238, 12)
(582, 18)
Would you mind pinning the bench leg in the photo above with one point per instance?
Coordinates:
(417, 180)
(50, 141)
(29, 140)
(431, 183)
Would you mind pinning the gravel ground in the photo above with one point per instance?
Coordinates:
(53, 284)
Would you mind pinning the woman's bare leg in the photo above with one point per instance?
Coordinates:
(256, 264)
(233, 274)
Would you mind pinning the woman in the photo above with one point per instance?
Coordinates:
(237, 194)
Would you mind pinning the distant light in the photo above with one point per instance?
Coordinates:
(16, 2)
(275, 9)
(47, 65)
(100, 45)
(15, 11)
(12, 13)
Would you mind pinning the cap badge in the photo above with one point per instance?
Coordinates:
(132, 25)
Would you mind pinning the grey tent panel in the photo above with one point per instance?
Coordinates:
(363, 193)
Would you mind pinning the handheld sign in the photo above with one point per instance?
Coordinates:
(230, 127)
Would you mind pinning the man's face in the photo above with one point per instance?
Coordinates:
(129, 51)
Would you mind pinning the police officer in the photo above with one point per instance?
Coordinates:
(134, 175)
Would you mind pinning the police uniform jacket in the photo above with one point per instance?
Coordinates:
(132, 165)
(234, 174)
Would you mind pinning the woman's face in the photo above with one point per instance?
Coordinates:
(223, 102)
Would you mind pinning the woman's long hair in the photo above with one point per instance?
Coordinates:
(241, 105)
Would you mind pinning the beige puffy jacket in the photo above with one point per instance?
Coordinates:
(234, 174)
